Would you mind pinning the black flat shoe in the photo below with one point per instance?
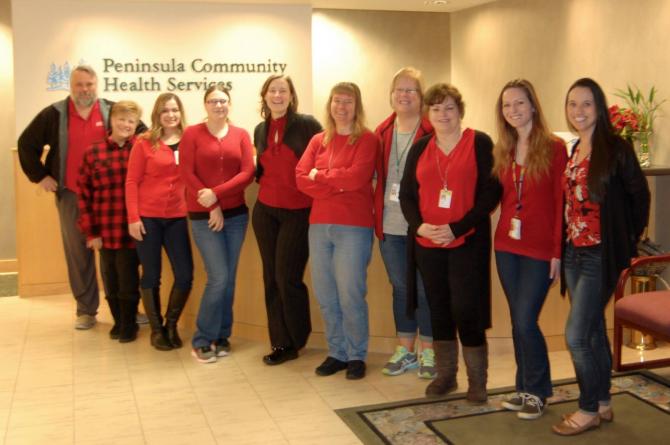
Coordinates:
(355, 369)
(280, 355)
(330, 366)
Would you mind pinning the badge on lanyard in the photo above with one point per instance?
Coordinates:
(395, 192)
(445, 199)
(176, 157)
(515, 228)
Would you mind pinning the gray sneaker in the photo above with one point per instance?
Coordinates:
(204, 354)
(141, 318)
(427, 364)
(221, 347)
(400, 361)
(515, 402)
(84, 322)
(532, 408)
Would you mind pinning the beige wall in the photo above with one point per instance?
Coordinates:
(7, 137)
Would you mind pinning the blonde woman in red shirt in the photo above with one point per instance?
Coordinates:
(447, 194)
(157, 217)
(529, 162)
(217, 165)
(336, 171)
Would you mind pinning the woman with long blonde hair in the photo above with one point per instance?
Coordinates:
(529, 163)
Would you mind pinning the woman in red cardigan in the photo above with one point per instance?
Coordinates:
(217, 165)
(157, 217)
(529, 162)
(336, 171)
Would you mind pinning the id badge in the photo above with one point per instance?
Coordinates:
(515, 228)
(445, 199)
(176, 157)
(395, 193)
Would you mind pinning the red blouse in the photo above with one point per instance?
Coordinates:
(458, 172)
(582, 215)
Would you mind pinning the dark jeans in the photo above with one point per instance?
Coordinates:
(119, 273)
(171, 233)
(526, 282)
(80, 259)
(394, 253)
(585, 331)
(283, 244)
(453, 298)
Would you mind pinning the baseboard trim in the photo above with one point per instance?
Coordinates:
(9, 266)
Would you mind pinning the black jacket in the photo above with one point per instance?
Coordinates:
(487, 196)
(50, 127)
(298, 132)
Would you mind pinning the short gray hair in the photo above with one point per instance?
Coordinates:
(85, 69)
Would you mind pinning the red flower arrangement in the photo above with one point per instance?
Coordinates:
(625, 121)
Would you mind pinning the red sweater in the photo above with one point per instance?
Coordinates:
(342, 189)
(459, 169)
(277, 185)
(226, 166)
(154, 187)
(385, 133)
(541, 211)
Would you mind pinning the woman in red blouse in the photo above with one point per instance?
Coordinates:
(157, 217)
(446, 194)
(529, 162)
(217, 165)
(281, 216)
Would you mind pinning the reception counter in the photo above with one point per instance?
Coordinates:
(42, 271)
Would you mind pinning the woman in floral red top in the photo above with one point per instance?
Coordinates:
(607, 210)
(102, 217)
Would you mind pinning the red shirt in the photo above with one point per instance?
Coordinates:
(541, 212)
(81, 134)
(154, 186)
(277, 184)
(224, 165)
(101, 185)
(342, 189)
(458, 171)
(581, 215)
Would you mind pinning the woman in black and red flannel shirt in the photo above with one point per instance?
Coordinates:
(103, 219)
(447, 194)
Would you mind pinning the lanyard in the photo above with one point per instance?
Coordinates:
(518, 185)
(443, 178)
(394, 144)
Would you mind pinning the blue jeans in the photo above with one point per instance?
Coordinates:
(394, 253)
(585, 331)
(220, 252)
(526, 282)
(339, 263)
(171, 233)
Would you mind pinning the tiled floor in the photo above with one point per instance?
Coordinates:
(61, 386)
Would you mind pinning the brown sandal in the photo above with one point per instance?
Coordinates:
(568, 427)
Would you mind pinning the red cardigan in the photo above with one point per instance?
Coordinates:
(385, 132)
(342, 189)
(541, 211)
(225, 165)
(154, 187)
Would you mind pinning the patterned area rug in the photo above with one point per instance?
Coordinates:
(641, 402)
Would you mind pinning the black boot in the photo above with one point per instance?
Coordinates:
(151, 299)
(113, 303)
(175, 307)
(128, 331)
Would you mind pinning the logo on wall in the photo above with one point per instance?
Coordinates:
(58, 78)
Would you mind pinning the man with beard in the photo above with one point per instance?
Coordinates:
(69, 127)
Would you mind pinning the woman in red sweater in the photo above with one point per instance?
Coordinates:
(217, 165)
(281, 216)
(336, 171)
(157, 217)
(529, 162)
(447, 194)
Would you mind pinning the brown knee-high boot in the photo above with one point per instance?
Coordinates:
(477, 364)
(446, 365)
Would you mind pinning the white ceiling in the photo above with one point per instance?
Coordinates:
(374, 5)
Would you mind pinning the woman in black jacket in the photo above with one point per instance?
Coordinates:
(281, 216)
(607, 208)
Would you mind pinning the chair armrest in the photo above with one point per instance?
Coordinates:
(636, 262)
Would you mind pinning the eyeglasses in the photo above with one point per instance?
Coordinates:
(405, 90)
(216, 102)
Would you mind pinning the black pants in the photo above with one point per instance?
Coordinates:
(119, 273)
(455, 287)
(282, 240)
